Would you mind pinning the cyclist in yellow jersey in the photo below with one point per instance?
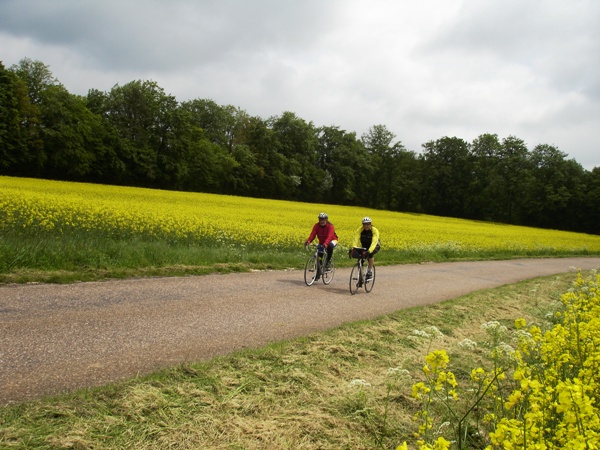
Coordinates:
(367, 236)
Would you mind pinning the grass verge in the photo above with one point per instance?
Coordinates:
(26, 258)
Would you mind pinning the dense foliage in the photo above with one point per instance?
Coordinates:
(137, 135)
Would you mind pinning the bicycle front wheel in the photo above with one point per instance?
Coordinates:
(355, 279)
(310, 270)
(369, 282)
(328, 271)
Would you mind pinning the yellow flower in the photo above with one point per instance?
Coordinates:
(513, 399)
(520, 324)
(437, 360)
(419, 390)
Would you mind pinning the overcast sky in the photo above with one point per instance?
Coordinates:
(425, 69)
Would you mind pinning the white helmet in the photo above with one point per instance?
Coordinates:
(323, 216)
(366, 220)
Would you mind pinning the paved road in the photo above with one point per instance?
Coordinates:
(57, 338)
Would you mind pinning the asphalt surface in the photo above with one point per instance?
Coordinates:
(59, 338)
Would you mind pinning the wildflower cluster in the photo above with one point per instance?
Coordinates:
(543, 393)
(464, 412)
(557, 400)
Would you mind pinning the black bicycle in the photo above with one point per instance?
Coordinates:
(358, 276)
(315, 267)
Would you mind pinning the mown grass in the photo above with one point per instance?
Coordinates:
(330, 390)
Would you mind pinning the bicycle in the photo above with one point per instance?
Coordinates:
(358, 276)
(315, 267)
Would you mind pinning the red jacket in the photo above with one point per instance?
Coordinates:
(325, 234)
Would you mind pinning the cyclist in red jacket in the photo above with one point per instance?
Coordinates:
(325, 232)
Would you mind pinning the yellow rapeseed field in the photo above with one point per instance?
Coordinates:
(59, 207)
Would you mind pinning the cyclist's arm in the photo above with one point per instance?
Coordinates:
(375, 239)
(330, 235)
(313, 234)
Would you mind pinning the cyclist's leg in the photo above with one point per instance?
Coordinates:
(330, 249)
(371, 260)
(320, 260)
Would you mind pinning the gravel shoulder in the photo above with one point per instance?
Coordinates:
(59, 338)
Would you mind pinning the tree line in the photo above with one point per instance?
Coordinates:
(137, 135)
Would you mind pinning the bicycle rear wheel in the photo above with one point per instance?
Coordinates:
(370, 282)
(328, 272)
(310, 270)
(355, 279)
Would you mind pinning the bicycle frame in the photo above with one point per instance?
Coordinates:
(358, 275)
(315, 269)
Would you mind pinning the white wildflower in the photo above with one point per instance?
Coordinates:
(523, 334)
(444, 425)
(506, 349)
(468, 344)
(420, 333)
(398, 372)
(359, 383)
(433, 330)
(494, 327)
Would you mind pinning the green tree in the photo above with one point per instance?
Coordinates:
(109, 165)
(384, 189)
(296, 140)
(208, 166)
(37, 77)
(407, 185)
(216, 121)
(68, 131)
(396, 171)
(12, 145)
(34, 78)
(447, 175)
(269, 174)
(555, 191)
(589, 211)
(482, 200)
(58, 126)
(223, 126)
(145, 120)
(345, 159)
(512, 176)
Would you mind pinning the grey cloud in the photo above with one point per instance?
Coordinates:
(558, 40)
(425, 69)
(167, 36)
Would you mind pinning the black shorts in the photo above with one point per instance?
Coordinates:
(377, 248)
